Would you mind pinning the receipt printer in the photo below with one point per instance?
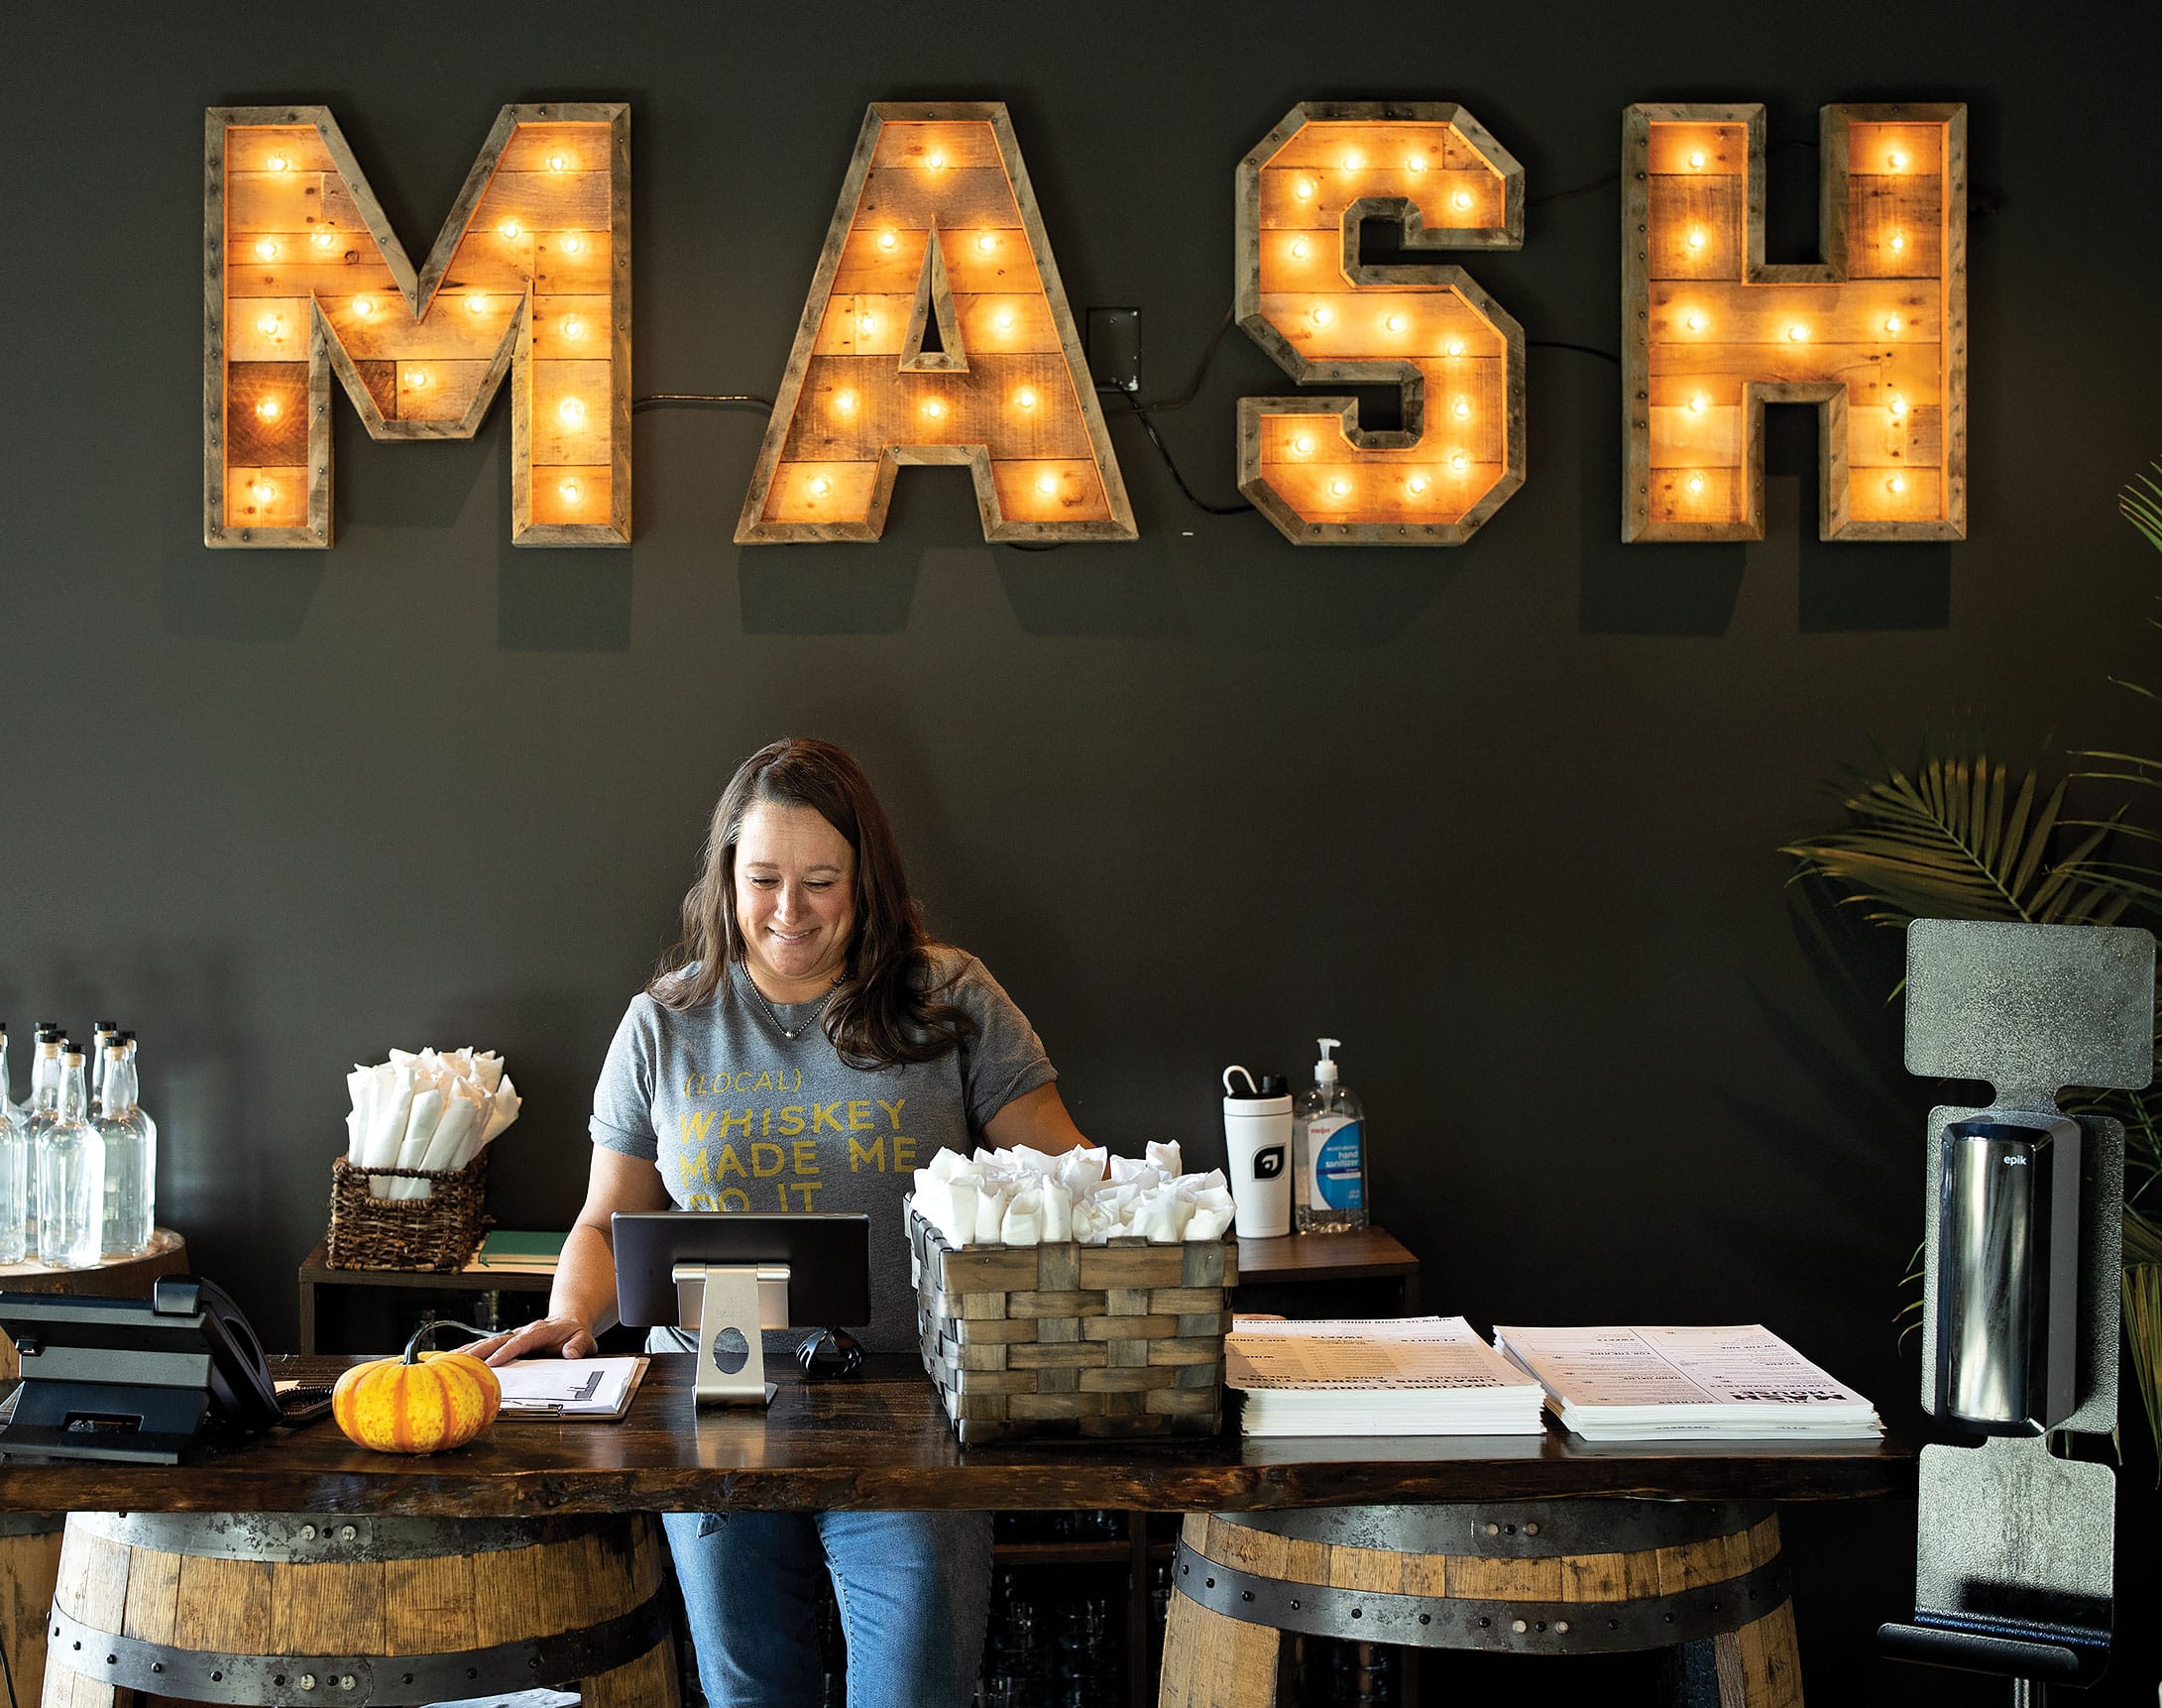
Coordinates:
(2008, 1275)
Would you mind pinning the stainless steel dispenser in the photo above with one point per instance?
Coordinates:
(2007, 1272)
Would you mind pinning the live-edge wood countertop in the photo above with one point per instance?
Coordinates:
(879, 1441)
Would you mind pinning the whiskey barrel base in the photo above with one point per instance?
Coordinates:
(1703, 1581)
(358, 1612)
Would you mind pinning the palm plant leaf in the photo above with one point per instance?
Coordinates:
(2141, 503)
(1944, 845)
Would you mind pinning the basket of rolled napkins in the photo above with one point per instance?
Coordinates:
(1058, 1295)
(410, 1191)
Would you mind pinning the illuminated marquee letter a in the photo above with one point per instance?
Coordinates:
(530, 277)
(937, 331)
(1874, 334)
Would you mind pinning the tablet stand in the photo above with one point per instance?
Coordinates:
(728, 1308)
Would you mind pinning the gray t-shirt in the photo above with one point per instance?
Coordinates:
(737, 1116)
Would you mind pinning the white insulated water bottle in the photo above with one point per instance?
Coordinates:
(1257, 1142)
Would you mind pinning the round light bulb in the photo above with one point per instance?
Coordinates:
(1454, 347)
(1696, 236)
(571, 243)
(416, 377)
(476, 304)
(1897, 160)
(271, 325)
(1461, 409)
(572, 410)
(886, 240)
(1414, 484)
(1324, 314)
(270, 409)
(846, 403)
(1898, 483)
(1695, 482)
(1340, 487)
(934, 407)
(572, 492)
(1047, 484)
(1898, 242)
(559, 163)
(277, 163)
(866, 324)
(1392, 323)
(936, 160)
(821, 486)
(1797, 334)
(1695, 321)
(986, 242)
(364, 306)
(1353, 161)
(1304, 190)
(1025, 397)
(1301, 446)
(1459, 462)
(573, 327)
(1417, 163)
(1003, 320)
(267, 250)
(1696, 160)
(262, 492)
(510, 228)
(1698, 403)
(324, 239)
(1898, 404)
(1893, 323)
(1299, 248)
(1462, 200)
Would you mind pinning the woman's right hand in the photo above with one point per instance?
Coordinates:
(566, 1336)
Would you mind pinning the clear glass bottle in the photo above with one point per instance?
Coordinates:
(43, 1107)
(71, 1178)
(17, 1162)
(130, 1211)
(102, 1033)
(150, 1130)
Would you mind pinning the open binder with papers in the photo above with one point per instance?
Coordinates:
(1396, 1375)
(1740, 1383)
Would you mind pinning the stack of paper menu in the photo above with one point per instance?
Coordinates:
(1393, 1376)
(1650, 1384)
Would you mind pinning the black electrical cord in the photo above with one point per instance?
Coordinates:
(661, 400)
(1580, 349)
(1140, 412)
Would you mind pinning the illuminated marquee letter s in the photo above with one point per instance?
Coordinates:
(1874, 334)
(937, 331)
(1305, 296)
(531, 276)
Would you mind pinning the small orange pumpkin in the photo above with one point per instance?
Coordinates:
(417, 1403)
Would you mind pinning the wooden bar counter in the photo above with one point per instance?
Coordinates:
(879, 1441)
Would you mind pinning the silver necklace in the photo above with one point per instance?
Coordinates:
(758, 996)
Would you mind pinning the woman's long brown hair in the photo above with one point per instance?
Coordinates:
(884, 1011)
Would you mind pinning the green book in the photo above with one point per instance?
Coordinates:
(507, 1248)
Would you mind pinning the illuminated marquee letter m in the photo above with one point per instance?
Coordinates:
(530, 279)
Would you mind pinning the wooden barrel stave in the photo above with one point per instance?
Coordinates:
(1715, 1592)
(493, 1606)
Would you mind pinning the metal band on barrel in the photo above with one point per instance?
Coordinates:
(1518, 1530)
(355, 1680)
(1450, 1622)
(309, 1539)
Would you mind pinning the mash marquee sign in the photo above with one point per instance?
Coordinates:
(937, 331)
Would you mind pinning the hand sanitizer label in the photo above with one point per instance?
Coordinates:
(1332, 1145)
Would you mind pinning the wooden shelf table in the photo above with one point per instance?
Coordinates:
(880, 1440)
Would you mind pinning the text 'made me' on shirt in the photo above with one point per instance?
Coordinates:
(737, 1116)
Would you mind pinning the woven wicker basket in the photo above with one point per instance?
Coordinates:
(1049, 1340)
(438, 1232)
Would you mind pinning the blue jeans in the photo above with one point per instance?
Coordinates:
(913, 1589)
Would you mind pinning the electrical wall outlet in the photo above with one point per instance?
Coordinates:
(1114, 348)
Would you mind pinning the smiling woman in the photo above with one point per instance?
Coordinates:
(807, 1046)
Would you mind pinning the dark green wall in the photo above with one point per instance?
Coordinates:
(1502, 818)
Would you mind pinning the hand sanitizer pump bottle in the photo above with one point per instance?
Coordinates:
(1328, 1150)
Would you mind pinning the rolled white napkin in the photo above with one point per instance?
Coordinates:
(1024, 1221)
(1164, 1158)
(1057, 1213)
(424, 1111)
(990, 1210)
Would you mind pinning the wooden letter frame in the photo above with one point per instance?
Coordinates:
(1877, 402)
(536, 521)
